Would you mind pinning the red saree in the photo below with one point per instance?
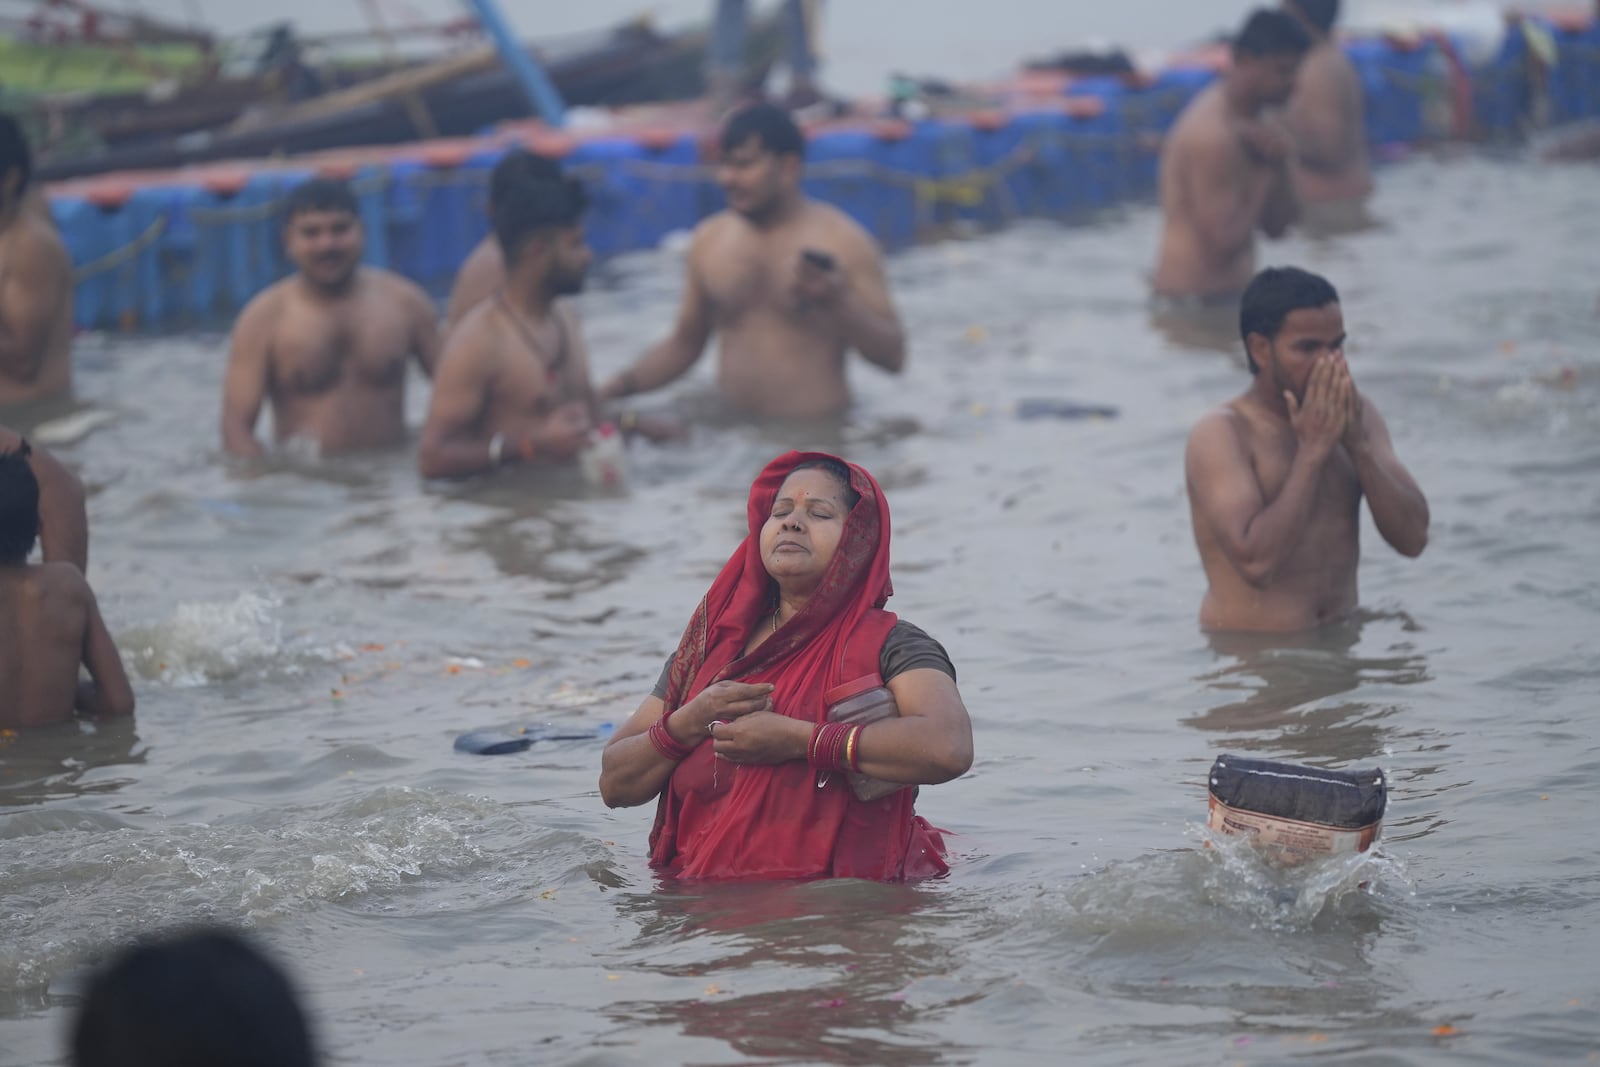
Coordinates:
(716, 819)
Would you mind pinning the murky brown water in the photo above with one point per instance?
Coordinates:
(287, 773)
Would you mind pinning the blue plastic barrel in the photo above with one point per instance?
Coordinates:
(1575, 79)
(868, 177)
(84, 237)
(1104, 149)
(405, 201)
(1029, 154)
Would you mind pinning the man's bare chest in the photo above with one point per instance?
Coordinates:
(1338, 490)
(315, 353)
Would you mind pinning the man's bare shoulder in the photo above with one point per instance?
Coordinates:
(1198, 124)
(485, 254)
(270, 302)
(838, 225)
(60, 583)
(37, 243)
(1224, 426)
(476, 338)
(715, 233)
(394, 286)
(1331, 61)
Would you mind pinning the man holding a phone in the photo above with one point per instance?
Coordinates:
(790, 283)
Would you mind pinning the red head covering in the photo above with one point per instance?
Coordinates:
(721, 820)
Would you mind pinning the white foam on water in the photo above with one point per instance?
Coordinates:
(206, 641)
(71, 893)
(1236, 875)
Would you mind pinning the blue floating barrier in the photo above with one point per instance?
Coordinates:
(1021, 154)
(84, 236)
(1400, 85)
(1105, 147)
(639, 193)
(1575, 79)
(405, 201)
(450, 221)
(1501, 87)
(872, 177)
(599, 164)
(947, 152)
(151, 206)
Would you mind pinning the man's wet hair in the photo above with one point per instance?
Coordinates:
(840, 474)
(19, 507)
(769, 125)
(1320, 13)
(1269, 32)
(319, 194)
(530, 195)
(515, 167)
(1273, 295)
(14, 152)
(194, 999)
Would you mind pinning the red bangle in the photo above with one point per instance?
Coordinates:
(831, 744)
(665, 743)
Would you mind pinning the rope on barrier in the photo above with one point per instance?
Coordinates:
(120, 256)
(222, 216)
(268, 209)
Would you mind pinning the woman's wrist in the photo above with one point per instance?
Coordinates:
(666, 742)
(678, 718)
(800, 734)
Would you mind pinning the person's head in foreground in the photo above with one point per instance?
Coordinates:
(1287, 318)
(19, 508)
(203, 998)
(763, 156)
(322, 233)
(755, 777)
(16, 163)
(1317, 15)
(537, 214)
(1266, 56)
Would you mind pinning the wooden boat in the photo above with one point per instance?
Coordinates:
(460, 93)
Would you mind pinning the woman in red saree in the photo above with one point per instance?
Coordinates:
(735, 741)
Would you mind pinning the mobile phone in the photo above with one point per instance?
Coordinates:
(820, 260)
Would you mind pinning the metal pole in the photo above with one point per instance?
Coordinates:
(536, 85)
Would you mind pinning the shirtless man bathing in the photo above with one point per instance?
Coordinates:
(50, 624)
(327, 347)
(484, 272)
(513, 385)
(1225, 172)
(1276, 475)
(789, 283)
(1327, 119)
(36, 288)
(63, 515)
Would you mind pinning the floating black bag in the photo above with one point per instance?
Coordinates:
(1304, 811)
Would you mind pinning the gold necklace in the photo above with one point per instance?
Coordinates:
(775, 617)
(551, 367)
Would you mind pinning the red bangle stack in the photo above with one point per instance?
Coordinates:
(835, 746)
(665, 743)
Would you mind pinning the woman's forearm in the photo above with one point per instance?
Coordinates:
(914, 750)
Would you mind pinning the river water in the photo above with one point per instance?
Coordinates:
(309, 638)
